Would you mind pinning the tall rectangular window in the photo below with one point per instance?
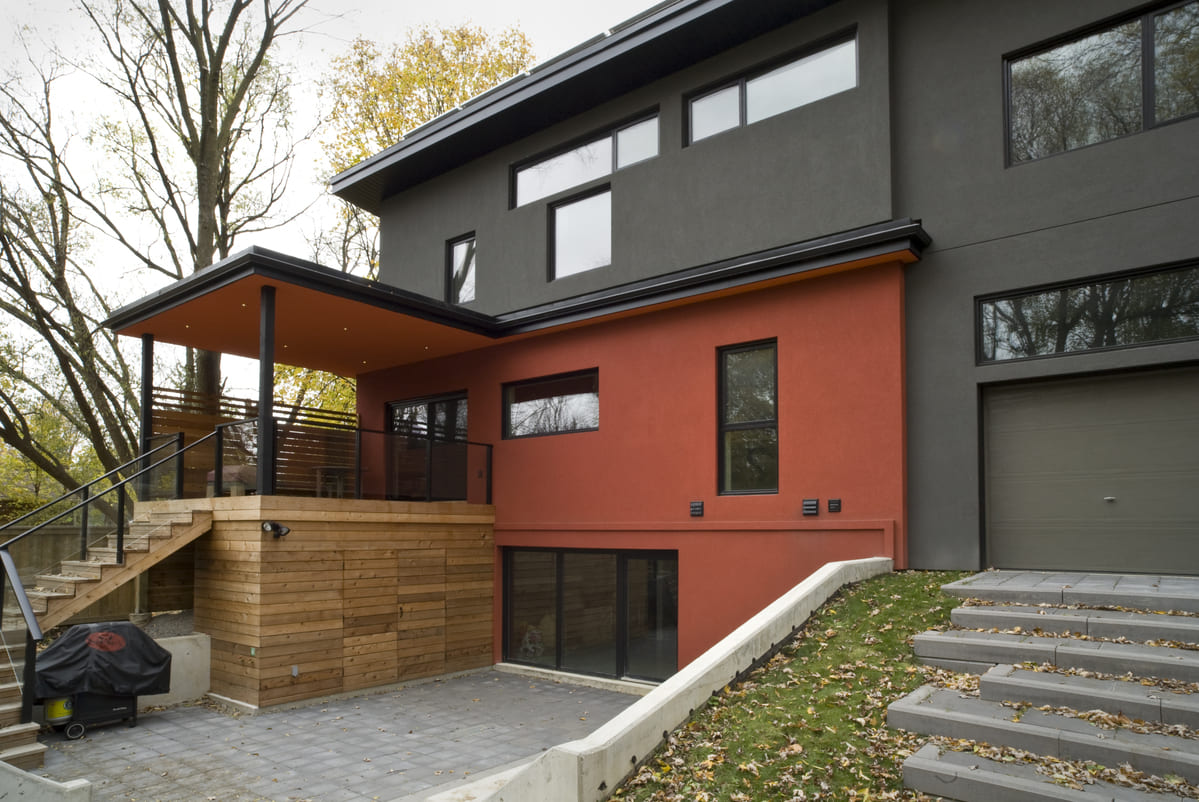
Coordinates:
(568, 402)
(754, 97)
(749, 429)
(1124, 78)
(581, 234)
(461, 270)
(426, 450)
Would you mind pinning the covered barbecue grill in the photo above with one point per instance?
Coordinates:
(102, 668)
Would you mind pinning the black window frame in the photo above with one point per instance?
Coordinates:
(449, 268)
(551, 230)
(427, 401)
(722, 427)
(1105, 278)
(621, 646)
(608, 131)
(741, 79)
(1145, 15)
(505, 403)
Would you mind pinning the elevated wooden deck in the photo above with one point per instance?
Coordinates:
(358, 594)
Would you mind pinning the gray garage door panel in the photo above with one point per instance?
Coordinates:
(1056, 451)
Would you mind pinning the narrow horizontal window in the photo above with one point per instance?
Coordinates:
(1134, 310)
(802, 82)
(755, 97)
(584, 163)
(462, 271)
(552, 405)
(600, 157)
(581, 234)
(1094, 87)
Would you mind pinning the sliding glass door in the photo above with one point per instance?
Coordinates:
(592, 612)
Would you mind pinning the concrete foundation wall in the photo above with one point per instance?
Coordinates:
(591, 768)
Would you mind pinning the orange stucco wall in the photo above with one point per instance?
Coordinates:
(629, 484)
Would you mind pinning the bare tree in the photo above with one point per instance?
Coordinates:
(198, 90)
(57, 357)
(198, 149)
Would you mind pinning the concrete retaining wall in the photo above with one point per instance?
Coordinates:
(191, 661)
(589, 769)
(19, 784)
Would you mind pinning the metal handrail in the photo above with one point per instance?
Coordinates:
(10, 570)
(83, 487)
(89, 499)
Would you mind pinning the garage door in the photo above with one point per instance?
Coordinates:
(1099, 474)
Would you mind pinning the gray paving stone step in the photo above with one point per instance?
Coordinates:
(1092, 623)
(1106, 657)
(1141, 592)
(970, 778)
(936, 711)
(1005, 683)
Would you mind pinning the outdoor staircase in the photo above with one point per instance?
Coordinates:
(68, 589)
(18, 742)
(1150, 655)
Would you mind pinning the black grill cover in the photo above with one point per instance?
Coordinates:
(116, 659)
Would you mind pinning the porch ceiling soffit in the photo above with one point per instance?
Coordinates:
(347, 325)
(324, 318)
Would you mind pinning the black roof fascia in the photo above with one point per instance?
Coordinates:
(787, 260)
(656, 43)
(299, 272)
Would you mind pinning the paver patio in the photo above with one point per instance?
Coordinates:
(385, 746)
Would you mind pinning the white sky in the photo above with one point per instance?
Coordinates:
(553, 26)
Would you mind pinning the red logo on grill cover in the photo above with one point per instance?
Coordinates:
(106, 641)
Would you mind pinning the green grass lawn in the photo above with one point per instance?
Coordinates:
(812, 722)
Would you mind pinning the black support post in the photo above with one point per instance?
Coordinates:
(266, 392)
(147, 420)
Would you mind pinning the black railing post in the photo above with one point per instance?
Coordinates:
(121, 525)
(218, 464)
(179, 465)
(358, 463)
(489, 474)
(147, 416)
(28, 691)
(83, 524)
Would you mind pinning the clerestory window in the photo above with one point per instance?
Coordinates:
(757, 96)
(605, 154)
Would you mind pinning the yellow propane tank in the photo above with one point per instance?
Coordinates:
(59, 710)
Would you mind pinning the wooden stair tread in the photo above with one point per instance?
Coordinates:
(25, 756)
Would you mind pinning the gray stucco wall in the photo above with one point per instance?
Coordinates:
(812, 171)
(1115, 206)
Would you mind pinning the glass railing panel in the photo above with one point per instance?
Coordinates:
(238, 458)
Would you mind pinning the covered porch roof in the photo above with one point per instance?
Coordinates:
(332, 321)
(324, 319)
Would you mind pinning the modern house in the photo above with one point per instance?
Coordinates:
(735, 289)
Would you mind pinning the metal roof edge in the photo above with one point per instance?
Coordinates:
(599, 48)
